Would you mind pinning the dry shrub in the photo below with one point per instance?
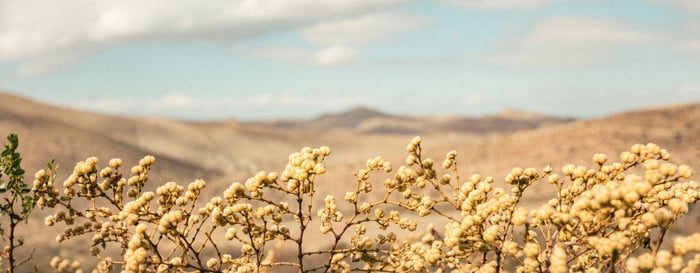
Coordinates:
(612, 217)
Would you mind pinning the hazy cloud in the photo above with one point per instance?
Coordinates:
(180, 106)
(325, 56)
(474, 100)
(560, 41)
(688, 39)
(688, 5)
(334, 55)
(30, 30)
(689, 89)
(180, 101)
(499, 4)
(337, 42)
(45, 64)
(168, 103)
(691, 46)
(361, 30)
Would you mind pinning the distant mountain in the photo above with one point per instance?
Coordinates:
(366, 120)
(348, 119)
(520, 114)
(341, 120)
(225, 150)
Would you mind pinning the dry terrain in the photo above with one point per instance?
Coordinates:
(225, 151)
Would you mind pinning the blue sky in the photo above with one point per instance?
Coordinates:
(300, 58)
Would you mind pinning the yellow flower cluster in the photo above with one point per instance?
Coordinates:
(135, 255)
(611, 217)
(65, 265)
(329, 214)
(302, 165)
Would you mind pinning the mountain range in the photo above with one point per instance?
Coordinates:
(366, 120)
(233, 149)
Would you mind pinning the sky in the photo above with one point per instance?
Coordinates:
(267, 59)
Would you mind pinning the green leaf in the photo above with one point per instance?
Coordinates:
(14, 141)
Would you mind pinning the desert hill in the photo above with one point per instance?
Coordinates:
(232, 150)
(222, 152)
(369, 121)
(48, 132)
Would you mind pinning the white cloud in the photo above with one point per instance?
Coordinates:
(175, 100)
(560, 41)
(688, 5)
(45, 64)
(171, 102)
(33, 29)
(690, 46)
(689, 89)
(263, 99)
(334, 55)
(582, 32)
(325, 56)
(687, 40)
(337, 42)
(499, 4)
(361, 30)
(180, 106)
(474, 100)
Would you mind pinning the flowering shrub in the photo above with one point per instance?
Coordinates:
(612, 217)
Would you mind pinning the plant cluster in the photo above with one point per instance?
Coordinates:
(16, 205)
(611, 217)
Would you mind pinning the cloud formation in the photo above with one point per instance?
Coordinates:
(370, 28)
(325, 56)
(688, 42)
(566, 41)
(499, 4)
(337, 42)
(688, 5)
(689, 88)
(31, 31)
(181, 106)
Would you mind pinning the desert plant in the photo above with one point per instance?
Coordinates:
(612, 217)
(16, 204)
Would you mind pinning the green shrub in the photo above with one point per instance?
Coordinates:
(16, 203)
(612, 217)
